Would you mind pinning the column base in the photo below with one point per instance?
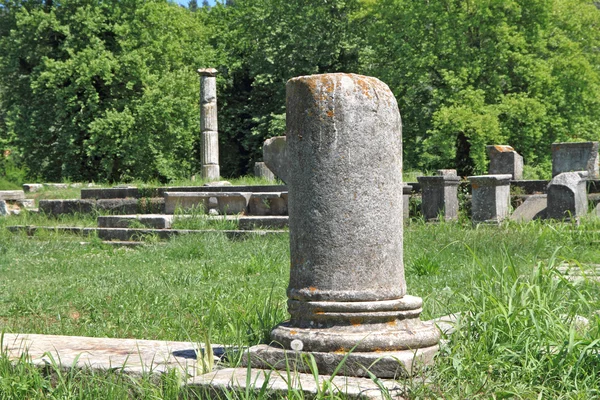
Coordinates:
(211, 172)
(386, 364)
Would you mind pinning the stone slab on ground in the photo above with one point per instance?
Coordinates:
(278, 383)
(224, 202)
(155, 221)
(128, 234)
(267, 221)
(275, 156)
(117, 206)
(532, 208)
(576, 273)
(127, 355)
(134, 192)
(12, 195)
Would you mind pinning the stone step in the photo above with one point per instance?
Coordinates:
(127, 234)
(164, 221)
(12, 195)
(87, 206)
(135, 192)
(130, 356)
(279, 383)
(226, 203)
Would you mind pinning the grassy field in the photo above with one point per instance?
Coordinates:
(519, 336)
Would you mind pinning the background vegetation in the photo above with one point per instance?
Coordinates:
(107, 90)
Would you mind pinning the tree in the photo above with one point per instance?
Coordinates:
(193, 5)
(467, 74)
(104, 90)
(268, 42)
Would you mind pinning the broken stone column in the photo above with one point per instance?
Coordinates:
(208, 124)
(275, 156)
(567, 196)
(347, 291)
(490, 197)
(440, 195)
(505, 160)
(262, 171)
(569, 157)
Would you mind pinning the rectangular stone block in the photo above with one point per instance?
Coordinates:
(32, 187)
(12, 195)
(155, 221)
(567, 197)
(490, 197)
(58, 207)
(223, 202)
(534, 207)
(505, 160)
(406, 192)
(569, 157)
(267, 204)
(439, 196)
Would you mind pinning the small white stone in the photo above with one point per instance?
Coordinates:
(213, 211)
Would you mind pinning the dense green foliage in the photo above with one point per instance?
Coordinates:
(107, 90)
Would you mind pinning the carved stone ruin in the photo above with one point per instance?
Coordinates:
(262, 171)
(567, 196)
(505, 160)
(570, 157)
(406, 192)
(440, 195)
(490, 197)
(208, 124)
(347, 292)
(275, 156)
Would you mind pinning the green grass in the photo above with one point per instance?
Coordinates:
(518, 338)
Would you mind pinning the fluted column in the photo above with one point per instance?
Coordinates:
(208, 124)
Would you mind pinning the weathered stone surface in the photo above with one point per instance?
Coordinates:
(505, 160)
(225, 202)
(131, 356)
(32, 187)
(439, 196)
(72, 206)
(258, 222)
(446, 172)
(151, 192)
(156, 221)
(276, 158)
(112, 193)
(490, 197)
(534, 207)
(530, 186)
(569, 157)
(383, 364)
(56, 185)
(209, 155)
(347, 288)
(3, 208)
(131, 206)
(267, 204)
(12, 195)
(127, 234)
(262, 171)
(567, 197)
(229, 380)
(216, 184)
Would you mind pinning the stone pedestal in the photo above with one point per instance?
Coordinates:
(569, 157)
(347, 292)
(505, 160)
(490, 197)
(567, 196)
(209, 156)
(440, 195)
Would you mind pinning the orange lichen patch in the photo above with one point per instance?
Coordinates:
(474, 186)
(341, 350)
(330, 113)
(365, 87)
(356, 321)
(503, 148)
(312, 289)
(392, 322)
(293, 332)
(318, 311)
